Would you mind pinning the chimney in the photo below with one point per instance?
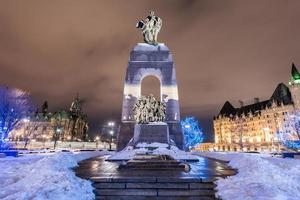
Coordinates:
(241, 103)
(256, 100)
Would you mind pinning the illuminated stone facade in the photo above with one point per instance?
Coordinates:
(254, 127)
(41, 126)
(149, 60)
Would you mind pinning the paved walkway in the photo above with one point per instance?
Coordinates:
(113, 183)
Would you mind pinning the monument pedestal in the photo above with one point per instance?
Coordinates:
(152, 132)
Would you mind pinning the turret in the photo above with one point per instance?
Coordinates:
(294, 86)
(295, 74)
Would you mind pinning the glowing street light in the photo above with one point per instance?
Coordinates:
(26, 120)
(111, 123)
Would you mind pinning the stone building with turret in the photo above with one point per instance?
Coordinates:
(69, 125)
(254, 127)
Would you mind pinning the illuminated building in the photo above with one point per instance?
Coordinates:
(70, 124)
(254, 127)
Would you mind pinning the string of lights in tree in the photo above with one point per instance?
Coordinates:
(290, 134)
(14, 105)
(193, 134)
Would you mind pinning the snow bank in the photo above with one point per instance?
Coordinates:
(45, 177)
(260, 177)
(154, 148)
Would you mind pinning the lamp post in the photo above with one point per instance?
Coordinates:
(57, 135)
(268, 138)
(111, 135)
(276, 126)
(111, 126)
(97, 138)
(44, 140)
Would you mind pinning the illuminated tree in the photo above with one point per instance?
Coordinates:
(289, 134)
(193, 134)
(15, 104)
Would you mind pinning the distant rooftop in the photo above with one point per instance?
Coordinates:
(281, 95)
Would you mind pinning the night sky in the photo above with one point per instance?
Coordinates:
(223, 50)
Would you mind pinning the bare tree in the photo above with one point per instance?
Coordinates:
(33, 125)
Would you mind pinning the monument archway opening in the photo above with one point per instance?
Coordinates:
(151, 85)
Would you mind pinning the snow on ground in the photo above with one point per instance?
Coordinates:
(47, 176)
(260, 177)
(155, 148)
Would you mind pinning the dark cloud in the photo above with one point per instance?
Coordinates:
(223, 50)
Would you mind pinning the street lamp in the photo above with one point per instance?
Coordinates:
(97, 138)
(111, 135)
(267, 135)
(26, 120)
(44, 139)
(111, 123)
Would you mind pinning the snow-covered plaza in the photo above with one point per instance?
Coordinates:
(89, 110)
(51, 176)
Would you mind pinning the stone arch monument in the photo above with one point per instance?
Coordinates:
(147, 59)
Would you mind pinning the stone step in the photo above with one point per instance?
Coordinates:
(189, 192)
(156, 166)
(125, 192)
(157, 185)
(153, 198)
(152, 163)
(155, 192)
(109, 185)
(152, 179)
(154, 185)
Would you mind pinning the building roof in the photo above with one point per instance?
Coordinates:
(295, 73)
(281, 95)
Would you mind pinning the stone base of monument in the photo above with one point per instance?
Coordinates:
(150, 133)
(154, 162)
